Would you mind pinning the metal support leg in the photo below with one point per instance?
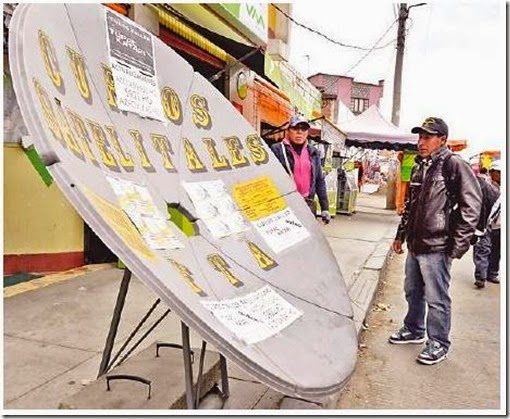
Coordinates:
(138, 327)
(224, 377)
(200, 372)
(119, 305)
(188, 369)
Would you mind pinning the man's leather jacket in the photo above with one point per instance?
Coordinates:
(443, 206)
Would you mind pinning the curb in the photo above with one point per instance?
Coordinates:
(51, 279)
(362, 292)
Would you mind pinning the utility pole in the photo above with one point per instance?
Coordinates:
(403, 14)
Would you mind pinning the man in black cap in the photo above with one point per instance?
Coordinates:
(440, 216)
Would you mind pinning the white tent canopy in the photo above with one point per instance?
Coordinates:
(371, 130)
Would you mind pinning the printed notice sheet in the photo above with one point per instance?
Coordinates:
(131, 52)
(263, 205)
(215, 207)
(138, 204)
(256, 316)
(258, 198)
(281, 230)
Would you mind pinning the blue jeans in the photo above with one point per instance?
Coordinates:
(426, 286)
(481, 255)
(495, 256)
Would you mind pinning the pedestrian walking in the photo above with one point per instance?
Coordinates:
(440, 216)
(484, 174)
(495, 174)
(494, 225)
(302, 161)
(481, 240)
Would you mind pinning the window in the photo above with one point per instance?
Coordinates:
(358, 105)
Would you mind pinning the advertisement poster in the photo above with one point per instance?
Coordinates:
(215, 207)
(137, 203)
(281, 230)
(256, 316)
(133, 68)
(261, 203)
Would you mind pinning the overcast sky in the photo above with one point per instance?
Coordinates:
(454, 63)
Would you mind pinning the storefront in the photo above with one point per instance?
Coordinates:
(264, 106)
(223, 42)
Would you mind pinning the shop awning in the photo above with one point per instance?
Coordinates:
(457, 145)
(371, 130)
(201, 14)
(324, 130)
(273, 105)
(218, 34)
(187, 32)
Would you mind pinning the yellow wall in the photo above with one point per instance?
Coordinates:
(37, 218)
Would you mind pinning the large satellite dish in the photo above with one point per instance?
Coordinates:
(127, 130)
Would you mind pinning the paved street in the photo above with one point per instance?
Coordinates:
(55, 327)
(388, 377)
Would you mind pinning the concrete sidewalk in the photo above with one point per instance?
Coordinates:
(55, 330)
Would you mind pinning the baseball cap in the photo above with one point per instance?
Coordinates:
(496, 165)
(298, 119)
(432, 125)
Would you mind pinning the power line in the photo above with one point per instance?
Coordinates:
(372, 49)
(315, 31)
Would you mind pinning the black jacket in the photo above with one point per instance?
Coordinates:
(317, 182)
(489, 196)
(443, 207)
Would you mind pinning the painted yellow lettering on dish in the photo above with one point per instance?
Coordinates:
(67, 132)
(110, 86)
(171, 105)
(49, 115)
(234, 147)
(50, 59)
(83, 135)
(219, 163)
(162, 146)
(221, 265)
(263, 260)
(193, 162)
(125, 159)
(80, 75)
(187, 275)
(201, 117)
(102, 144)
(144, 158)
(258, 153)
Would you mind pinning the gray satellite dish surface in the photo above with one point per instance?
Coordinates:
(128, 130)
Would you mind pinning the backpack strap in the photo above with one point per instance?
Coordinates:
(494, 214)
(287, 165)
(450, 194)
